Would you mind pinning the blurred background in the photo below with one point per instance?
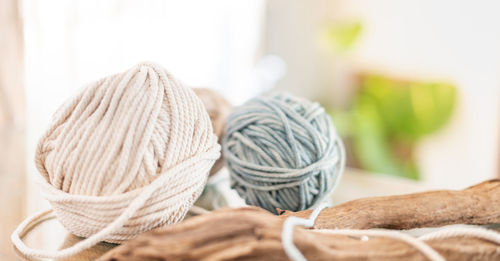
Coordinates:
(413, 87)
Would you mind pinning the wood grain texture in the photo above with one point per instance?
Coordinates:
(473, 205)
(254, 234)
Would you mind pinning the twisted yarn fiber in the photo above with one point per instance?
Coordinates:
(129, 153)
(282, 152)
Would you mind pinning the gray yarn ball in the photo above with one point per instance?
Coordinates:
(282, 152)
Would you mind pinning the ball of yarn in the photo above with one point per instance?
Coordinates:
(131, 152)
(282, 152)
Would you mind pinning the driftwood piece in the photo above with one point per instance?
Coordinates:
(255, 234)
(218, 109)
(476, 205)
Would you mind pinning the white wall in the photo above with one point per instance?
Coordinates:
(457, 41)
(71, 43)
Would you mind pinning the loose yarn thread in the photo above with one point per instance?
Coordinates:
(419, 243)
(128, 154)
(282, 152)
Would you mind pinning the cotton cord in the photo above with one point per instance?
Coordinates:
(419, 243)
(282, 152)
(464, 231)
(287, 234)
(128, 154)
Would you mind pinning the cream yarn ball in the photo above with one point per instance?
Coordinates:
(130, 153)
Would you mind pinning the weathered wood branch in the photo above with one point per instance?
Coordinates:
(254, 234)
(476, 205)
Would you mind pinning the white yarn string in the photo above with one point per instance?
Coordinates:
(287, 234)
(419, 243)
(130, 153)
(465, 231)
(421, 246)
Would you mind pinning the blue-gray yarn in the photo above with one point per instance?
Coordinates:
(282, 152)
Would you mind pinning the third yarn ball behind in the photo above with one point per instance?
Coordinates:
(282, 152)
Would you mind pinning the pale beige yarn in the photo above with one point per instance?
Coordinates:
(129, 153)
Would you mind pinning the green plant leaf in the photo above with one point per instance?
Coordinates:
(410, 110)
(342, 36)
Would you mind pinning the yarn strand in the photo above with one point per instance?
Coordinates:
(419, 243)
